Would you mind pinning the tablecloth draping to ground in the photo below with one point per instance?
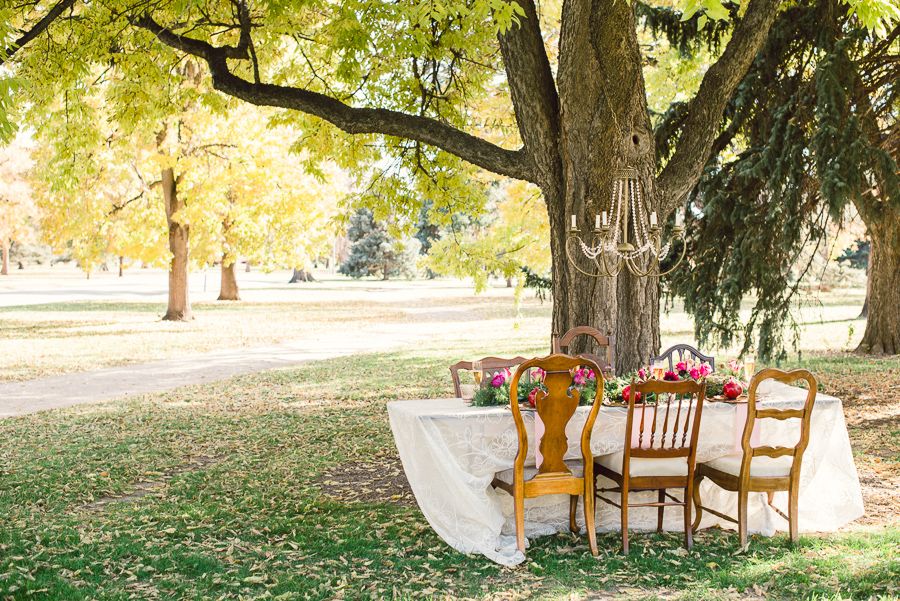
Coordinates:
(451, 451)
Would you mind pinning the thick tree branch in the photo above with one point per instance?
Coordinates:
(36, 30)
(352, 120)
(533, 91)
(704, 115)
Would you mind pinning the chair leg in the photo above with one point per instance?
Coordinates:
(742, 517)
(793, 507)
(771, 497)
(519, 500)
(698, 506)
(589, 508)
(624, 503)
(573, 506)
(688, 532)
(661, 497)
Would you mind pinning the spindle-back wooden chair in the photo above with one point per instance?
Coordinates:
(764, 468)
(605, 345)
(677, 353)
(555, 403)
(489, 366)
(657, 456)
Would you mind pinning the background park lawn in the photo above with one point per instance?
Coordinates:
(286, 484)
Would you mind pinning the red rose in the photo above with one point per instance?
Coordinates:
(626, 394)
(532, 396)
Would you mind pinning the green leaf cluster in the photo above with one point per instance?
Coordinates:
(795, 149)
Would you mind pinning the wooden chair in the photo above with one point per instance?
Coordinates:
(679, 351)
(606, 360)
(556, 404)
(489, 367)
(762, 469)
(661, 458)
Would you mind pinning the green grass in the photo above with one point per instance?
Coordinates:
(254, 520)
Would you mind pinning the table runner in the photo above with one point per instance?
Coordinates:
(451, 451)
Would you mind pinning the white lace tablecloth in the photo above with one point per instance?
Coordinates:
(451, 451)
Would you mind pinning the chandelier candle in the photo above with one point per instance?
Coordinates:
(626, 234)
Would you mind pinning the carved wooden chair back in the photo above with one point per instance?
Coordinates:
(679, 352)
(489, 366)
(556, 403)
(605, 346)
(754, 413)
(679, 405)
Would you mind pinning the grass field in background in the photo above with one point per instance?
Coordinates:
(62, 337)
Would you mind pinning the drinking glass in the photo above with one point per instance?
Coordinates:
(749, 368)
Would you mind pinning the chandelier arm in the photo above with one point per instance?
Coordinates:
(618, 265)
(575, 263)
(678, 262)
(641, 272)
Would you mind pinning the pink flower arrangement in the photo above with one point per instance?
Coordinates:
(688, 369)
(735, 368)
(500, 378)
(581, 376)
(538, 374)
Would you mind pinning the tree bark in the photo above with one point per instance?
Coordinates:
(301, 275)
(604, 126)
(179, 307)
(35, 30)
(882, 335)
(865, 308)
(228, 290)
(121, 266)
(4, 259)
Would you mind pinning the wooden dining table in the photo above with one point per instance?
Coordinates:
(451, 452)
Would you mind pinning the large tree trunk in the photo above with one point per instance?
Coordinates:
(604, 126)
(301, 275)
(4, 256)
(882, 333)
(865, 308)
(179, 307)
(228, 291)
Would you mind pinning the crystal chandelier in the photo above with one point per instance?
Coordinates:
(626, 235)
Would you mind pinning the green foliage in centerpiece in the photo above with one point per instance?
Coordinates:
(495, 392)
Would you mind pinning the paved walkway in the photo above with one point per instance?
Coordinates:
(53, 392)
